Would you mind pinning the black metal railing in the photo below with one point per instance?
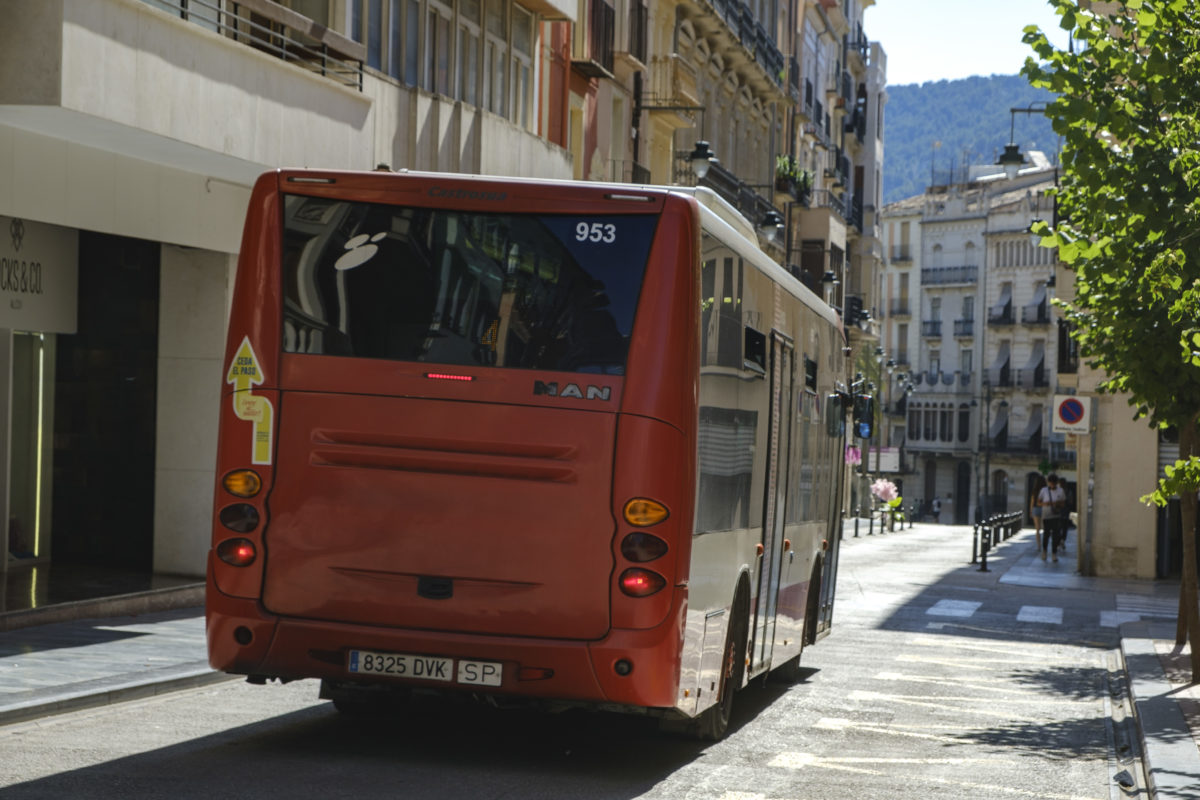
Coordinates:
(964, 327)
(946, 275)
(931, 327)
(280, 32)
(899, 308)
(901, 252)
(1001, 316)
(1035, 314)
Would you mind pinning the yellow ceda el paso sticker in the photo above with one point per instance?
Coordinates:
(245, 373)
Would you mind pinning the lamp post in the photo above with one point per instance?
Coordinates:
(987, 452)
(1011, 159)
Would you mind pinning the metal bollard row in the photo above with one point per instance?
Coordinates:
(993, 530)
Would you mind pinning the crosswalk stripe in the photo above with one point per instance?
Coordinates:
(953, 608)
(1049, 615)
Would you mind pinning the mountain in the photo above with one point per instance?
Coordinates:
(935, 128)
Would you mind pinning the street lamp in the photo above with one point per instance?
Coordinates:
(701, 158)
(1011, 159)
(770, 225)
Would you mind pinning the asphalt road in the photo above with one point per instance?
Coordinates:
(938, 681)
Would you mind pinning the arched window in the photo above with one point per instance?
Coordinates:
(964, 422)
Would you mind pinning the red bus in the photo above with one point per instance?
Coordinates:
(561, 441)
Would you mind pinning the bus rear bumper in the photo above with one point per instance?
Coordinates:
(627, 667)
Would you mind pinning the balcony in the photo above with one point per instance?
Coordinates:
(999, 377)
(1001, 315)
(931, 328)
(1035, 314)
(900, 253)
(596, 60)
(899, 308)
(944, 276)
(278, 31)
(964, 328)
(672, 87)
(1035, 378)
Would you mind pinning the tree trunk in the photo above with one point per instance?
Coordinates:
(1189, 594)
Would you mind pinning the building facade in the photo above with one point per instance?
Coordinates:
(131, 132)
(983, 369)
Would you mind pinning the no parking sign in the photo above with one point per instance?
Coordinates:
(1072, 414)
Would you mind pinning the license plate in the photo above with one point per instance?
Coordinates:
(429, 668)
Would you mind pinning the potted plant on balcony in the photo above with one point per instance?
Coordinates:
(790, 177)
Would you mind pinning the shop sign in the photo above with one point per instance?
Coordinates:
(39, 276)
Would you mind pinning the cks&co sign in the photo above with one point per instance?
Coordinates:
(39, 276)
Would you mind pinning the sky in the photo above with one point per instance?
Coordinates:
(933, 40)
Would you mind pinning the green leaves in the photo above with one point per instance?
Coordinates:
(1130, 194)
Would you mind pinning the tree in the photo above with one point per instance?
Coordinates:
(1128, 96)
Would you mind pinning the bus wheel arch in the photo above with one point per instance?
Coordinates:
(713, 722)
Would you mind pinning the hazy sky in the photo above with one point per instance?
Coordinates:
(932, 40)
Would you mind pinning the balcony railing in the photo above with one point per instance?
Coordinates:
(825, 198)
(597, 59)
(999, 376)
(964, 327)
(901, 252)
(1035, 314)
(899, 308)
(947, 275)
(1036, 378)
(278, 31)
(931, 327)
(1001, 316)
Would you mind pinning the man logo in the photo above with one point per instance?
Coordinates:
(572, 390)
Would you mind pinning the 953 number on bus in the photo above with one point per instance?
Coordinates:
(427, 668)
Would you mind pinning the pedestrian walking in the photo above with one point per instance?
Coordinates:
(1035, 509)
(936, 507)
(1053, 501)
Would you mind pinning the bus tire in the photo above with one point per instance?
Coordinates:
(712, 724)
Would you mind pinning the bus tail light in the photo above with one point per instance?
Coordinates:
(239, 517)
(238, 552)
(242, 483)
(638, 582)
(639, 547)
(642, 512)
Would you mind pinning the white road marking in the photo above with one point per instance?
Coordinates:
(965, 788)
(1114, 619)
(953, 608)
(1049, 615)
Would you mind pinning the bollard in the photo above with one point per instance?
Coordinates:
(975, 544)
(985, 545)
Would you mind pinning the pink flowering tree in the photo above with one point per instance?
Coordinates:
(887, 492)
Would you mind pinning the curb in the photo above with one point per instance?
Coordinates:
(1169, 753)
(93, 694)
(168, 599)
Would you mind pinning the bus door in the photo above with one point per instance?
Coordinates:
(835, 428)
(781, 373)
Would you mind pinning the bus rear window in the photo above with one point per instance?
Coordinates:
(539, 291)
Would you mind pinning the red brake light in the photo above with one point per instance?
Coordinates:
(448, 376)
(637, 582)
(238, 552)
